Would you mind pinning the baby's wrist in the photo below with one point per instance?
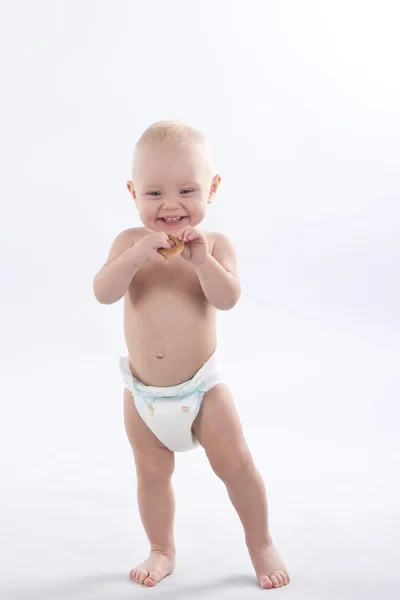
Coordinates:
(134, 257)
(205, 262)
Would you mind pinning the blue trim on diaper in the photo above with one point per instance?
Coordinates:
(176, 396)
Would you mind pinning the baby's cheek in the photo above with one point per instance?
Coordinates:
(147, 211)
(201, 208)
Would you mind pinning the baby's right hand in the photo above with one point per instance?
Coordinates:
(146, 249)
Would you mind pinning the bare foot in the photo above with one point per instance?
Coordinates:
(155, 568)
(269, 567)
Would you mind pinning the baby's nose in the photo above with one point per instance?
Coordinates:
(171, 202)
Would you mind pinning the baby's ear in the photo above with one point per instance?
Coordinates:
(131, 189)
(214, 187)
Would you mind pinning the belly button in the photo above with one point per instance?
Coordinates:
(160, 355)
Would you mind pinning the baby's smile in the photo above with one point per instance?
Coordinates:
(173, 221)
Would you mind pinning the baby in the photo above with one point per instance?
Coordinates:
(175, 396)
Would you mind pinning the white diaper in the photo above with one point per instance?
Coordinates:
(170, 411)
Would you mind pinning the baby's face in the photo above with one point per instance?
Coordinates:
(172, 185)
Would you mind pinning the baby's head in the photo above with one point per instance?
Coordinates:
(172, 176)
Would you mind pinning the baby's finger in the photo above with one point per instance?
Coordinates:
(193, 235)
(164, 238)
(164, 243)
(187, 234)
(184, 232)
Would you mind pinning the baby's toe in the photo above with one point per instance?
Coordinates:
(143, 576)
(138, 575)
(275, 581)
(265, 582)
(151, 580)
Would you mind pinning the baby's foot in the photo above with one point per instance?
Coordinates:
(155, 568)
(269, 567)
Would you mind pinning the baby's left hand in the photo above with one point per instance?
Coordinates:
(196, 245)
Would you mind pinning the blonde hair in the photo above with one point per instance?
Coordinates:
(176, 131)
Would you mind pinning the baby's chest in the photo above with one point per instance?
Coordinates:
(163, 282)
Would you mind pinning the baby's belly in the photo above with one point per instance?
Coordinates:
(167, 347)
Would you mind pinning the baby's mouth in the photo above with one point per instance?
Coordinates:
(173, 221)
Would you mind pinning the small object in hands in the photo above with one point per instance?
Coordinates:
(175, 250)
(160, 355)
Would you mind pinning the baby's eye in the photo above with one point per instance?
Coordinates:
(154, 194)
(187, 191)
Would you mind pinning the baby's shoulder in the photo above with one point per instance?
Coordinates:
(211, 236)
(131, 235)
(217, 238)
(138, 232)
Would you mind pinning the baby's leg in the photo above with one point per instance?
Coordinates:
(154, 467)
(218, 429)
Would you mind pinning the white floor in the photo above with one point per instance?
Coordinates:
(323, 433)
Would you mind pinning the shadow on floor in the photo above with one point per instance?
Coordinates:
(119, 587)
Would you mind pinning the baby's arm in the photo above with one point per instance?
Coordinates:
(218, 275)
(112, 281)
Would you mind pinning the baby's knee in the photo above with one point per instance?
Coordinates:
(156, 470)
(233, 465)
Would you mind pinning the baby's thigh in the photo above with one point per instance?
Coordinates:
(152, 458)
(219, 431)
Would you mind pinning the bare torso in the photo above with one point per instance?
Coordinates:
(169, 325)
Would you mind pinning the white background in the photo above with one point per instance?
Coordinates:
(301, 103)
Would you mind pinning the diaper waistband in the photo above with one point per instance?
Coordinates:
(200, 381)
